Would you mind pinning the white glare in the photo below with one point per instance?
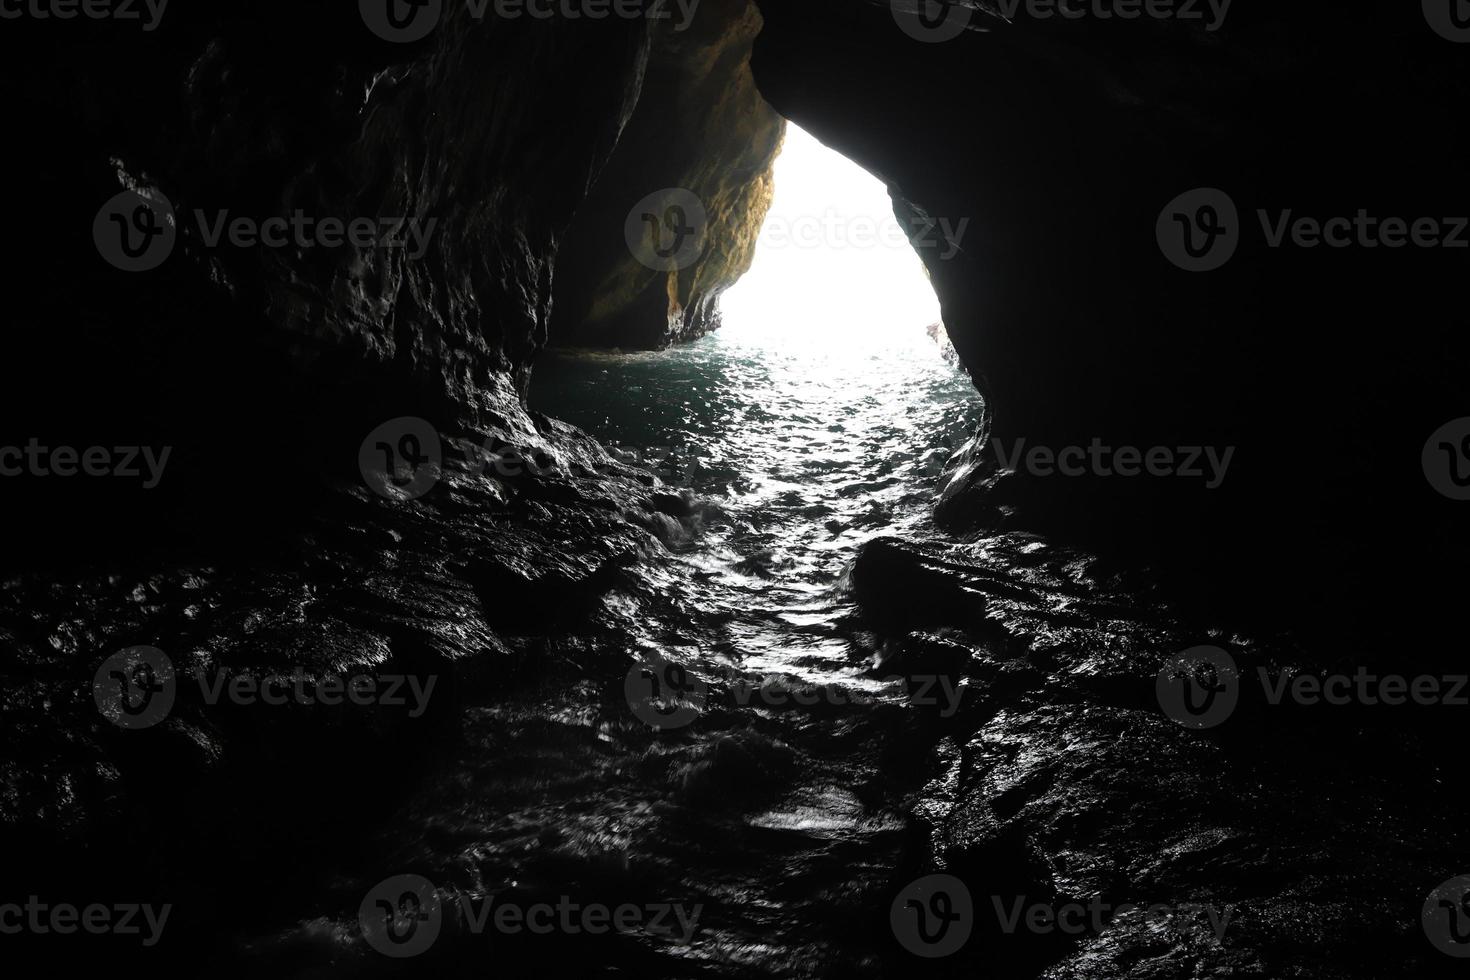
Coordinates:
(832, 262)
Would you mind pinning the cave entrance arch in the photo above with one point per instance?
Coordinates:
(832, 263)
(824, 390)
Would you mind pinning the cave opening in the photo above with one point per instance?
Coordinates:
(830, 374)
(832, 264)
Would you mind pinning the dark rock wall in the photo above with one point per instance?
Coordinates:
(1059, 142)
(1062, 141)
(487, 133)
(283, 109)
(263, 369)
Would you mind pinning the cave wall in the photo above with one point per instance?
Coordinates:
(701, 127)
(1062, 140)
(283, 109)
(262, 369)
(489, 134)
(525, 140)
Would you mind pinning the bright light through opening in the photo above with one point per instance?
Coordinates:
(832, 261)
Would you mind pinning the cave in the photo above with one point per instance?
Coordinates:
(412, 563)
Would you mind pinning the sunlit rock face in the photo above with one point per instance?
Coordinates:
(1063, 140)
(701, 125)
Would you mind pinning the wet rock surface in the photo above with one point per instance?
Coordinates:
(527, 597)
(1054, 778)
(432, 603)
(1310, 834)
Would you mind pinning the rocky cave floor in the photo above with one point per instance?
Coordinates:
(1057, 779)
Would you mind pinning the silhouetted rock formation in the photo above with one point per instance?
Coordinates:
(1063, 140)
(702, 126)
